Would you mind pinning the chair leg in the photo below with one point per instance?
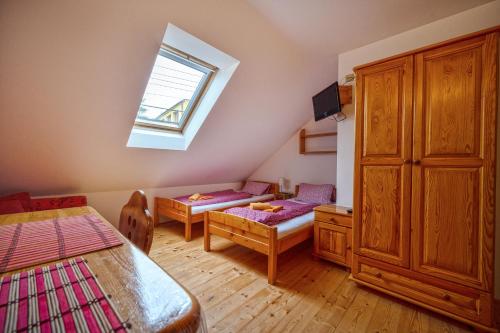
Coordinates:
(156, 215)
(206, 233)
(187, 230)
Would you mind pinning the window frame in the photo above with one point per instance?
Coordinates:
(190, 61)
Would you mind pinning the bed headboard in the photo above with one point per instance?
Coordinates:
(273, 187)
(334, 193)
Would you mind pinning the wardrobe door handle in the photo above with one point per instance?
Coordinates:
(416, 162)
(406, 161)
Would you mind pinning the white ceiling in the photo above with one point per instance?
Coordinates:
(72, 74)
(330, 27)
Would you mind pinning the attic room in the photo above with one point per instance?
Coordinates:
(249, 166)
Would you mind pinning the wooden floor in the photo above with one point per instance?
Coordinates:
(310, 296)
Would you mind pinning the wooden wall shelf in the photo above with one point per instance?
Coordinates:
(302, 142)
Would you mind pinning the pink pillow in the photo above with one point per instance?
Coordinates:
(320, 194)
(23, 197)
(11, 207)
(58, 202)
(255, 188)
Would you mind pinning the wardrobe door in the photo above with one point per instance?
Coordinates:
(383, 155)
(453, 161)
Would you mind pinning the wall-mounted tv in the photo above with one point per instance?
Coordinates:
(327, 102)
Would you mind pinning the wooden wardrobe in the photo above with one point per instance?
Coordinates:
(424, 196)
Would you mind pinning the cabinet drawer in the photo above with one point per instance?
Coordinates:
(333, 243)
(333, 218)
(464, 302)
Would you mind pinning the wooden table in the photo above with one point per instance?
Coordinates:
(142, 291)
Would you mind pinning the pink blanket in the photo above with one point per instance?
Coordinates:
(218, 197)
(290, 210)
(27, 244)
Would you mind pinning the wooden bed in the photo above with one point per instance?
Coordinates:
(254, 235)
(181, 212)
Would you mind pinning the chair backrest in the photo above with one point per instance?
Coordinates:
(136, 222)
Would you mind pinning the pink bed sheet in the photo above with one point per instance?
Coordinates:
(218, 197)
(290, 210)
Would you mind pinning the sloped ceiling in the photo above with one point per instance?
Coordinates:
(330, 27)
(72, 74)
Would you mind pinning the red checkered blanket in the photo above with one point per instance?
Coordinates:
(65, 297)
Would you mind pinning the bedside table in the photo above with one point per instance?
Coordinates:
(283, 196)
(333, 234)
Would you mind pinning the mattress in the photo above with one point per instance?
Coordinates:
(297, 223)
(227, 204)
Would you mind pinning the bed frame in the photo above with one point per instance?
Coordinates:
(254, 235)
(179, 211)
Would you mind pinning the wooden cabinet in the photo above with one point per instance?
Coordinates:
(333, 234)
(454, 144)
(384, 93)
(424, 194)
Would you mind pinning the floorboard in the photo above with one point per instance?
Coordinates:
(310, 295)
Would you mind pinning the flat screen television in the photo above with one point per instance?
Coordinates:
(327, 102)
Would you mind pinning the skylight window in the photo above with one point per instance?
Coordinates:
(188, 77)
(176, 84)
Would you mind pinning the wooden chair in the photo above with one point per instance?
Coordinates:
(136, 222)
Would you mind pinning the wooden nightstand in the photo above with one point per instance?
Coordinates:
(283, 195)
(333, 234)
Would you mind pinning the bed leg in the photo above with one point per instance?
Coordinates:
(187, 230)
(206, 233)
(272, 257)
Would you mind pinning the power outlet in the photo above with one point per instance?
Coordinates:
(349, 78)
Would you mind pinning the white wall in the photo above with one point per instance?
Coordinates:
(109, 204)
(287, 162)
(463, 23)
(296, 168)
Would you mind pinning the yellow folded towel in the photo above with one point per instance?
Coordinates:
(198, 196)
(260, 205)
(195, 197)
(274, 209)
